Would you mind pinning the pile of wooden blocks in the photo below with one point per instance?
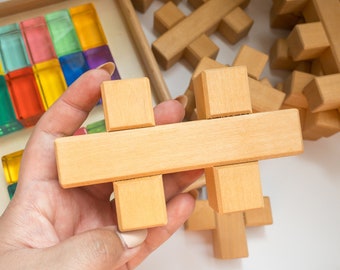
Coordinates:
(189, 35)
(311, 52)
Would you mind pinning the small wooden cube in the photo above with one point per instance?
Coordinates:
(263, 97)
(118, 95)
(289, 6)
(235, 25)
(293, 86)
(253, 59)
(234, 188)
(201, 47)
(283, 21)
(321, 124)
(259, 217)
(323, 93)
(307, 41)
(279, 57)
(229, 237)
(222, 92)
(310, 13)
(202, 218)
(166, 17)
(140, 203)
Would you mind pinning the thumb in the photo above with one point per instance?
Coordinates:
(101, 249)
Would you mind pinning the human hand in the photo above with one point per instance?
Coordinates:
(47, 227)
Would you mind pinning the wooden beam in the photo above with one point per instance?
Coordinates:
(148, 151)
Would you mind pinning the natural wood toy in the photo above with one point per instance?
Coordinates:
(228, 230)
(135, 152)
(203, 21)
(312, 52)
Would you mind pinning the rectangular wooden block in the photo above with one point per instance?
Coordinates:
(229, 237)
(202, 218)
(253, 59)
(169, 48)
(140, 203)
(141, 5)
(279, 56)
(113, 156)
(118, 97)
(234, 188)
(263, 97)
(329, 14)
(222, 92)
(307, 41)
(259, 217)
(323, 93)
(289, 6)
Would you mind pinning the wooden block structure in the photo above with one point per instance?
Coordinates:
(189, 36)
(312, 52)
(133, 155)
(228, 230)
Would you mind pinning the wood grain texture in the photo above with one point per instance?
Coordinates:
(107, 157)
(259, 217)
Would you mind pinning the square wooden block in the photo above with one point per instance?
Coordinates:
(254, 60)
(235, 25)
(201, 47)
(234, 188)
(166, 17)
(127, 104)
(307, 41)
(140, 203)
(222, 92)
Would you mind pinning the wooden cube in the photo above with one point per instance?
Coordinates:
(166, 17)
(201, 47)
(253, 59)
(222, 92)
(118, 95)
(234, 188)
(321, 124)
(259, 217)
(283, 21)
(310, 13)
(263, 97)
(235, 25)
(289, 6)
(229, 237)
(307, 41)
(140, 203)
(323, 93)
(279, 56)
(293, 86)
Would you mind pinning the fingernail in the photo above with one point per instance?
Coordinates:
(109, 67)
(133, 238)
(183, 99)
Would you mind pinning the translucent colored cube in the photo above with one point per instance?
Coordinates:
(64, 36)
(11, 190)
(11, 165)
(13, 54)
(98, 56)
(73, 66)
(50, 80)
(8, 121)
(88, 26)
(96, 127)
(38, 40)
(25, 96)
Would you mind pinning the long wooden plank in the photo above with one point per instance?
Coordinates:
(169, 47)
(329, 13)
(108, 157)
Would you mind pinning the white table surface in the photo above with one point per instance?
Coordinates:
(304, 190)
